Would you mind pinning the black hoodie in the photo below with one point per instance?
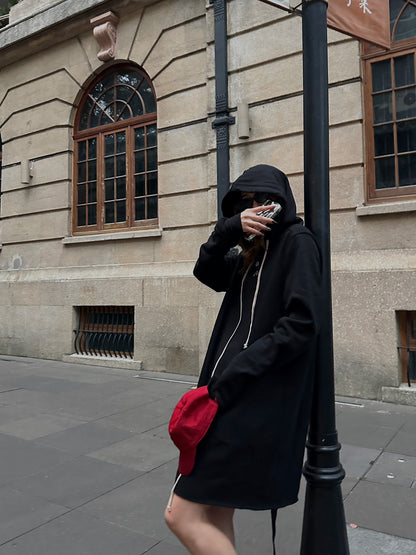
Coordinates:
(260, 359)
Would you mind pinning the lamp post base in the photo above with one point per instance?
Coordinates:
(324, 531)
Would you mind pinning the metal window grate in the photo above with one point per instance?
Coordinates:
(407, 344)
(105, 331)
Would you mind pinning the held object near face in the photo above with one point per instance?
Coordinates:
(268, 213)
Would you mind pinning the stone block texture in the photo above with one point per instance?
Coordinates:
(43, 279)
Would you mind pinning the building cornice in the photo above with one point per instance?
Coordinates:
(57, 23)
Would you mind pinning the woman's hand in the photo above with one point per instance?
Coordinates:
(253, 222)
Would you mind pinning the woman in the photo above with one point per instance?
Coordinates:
(259, 364)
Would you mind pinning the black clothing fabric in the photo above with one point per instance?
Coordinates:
(262, 350)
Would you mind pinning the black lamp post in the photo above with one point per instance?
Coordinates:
(324, 531)
(222, 111)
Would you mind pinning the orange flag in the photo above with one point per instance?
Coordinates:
(364, 19)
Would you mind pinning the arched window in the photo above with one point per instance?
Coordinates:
(390, 108)
(115, 153)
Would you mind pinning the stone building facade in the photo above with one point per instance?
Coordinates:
(69, 258)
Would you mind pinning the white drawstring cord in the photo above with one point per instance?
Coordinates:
(172, 491)
(238, 323)
(253, 306)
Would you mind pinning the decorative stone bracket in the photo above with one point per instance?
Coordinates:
(105, 32)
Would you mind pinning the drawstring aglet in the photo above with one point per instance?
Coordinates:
(172, 491)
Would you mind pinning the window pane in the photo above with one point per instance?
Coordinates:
(130, 77)
(109, 212)
(83, 122)
(407, 170)
(406, 136)
(140, 212)
(102, 85)
(121, 187)
(121, 142)
(152, 183)
(109, 189)
(381, 72)
(404, 70)
(406, 103)
(105, 119)
(109, 144)
(121, 164)
(395, 7)
(82, 194)
(82, 172)
(121, 211)
(139, 162)
(92, 148)
(92, 192)
(148, 97)
(109, 167)
(152, 207)
(139, 138)
(382, 107)
(151, 159)
(96, 114)
(123, 111)
(92, 170)
(106, 98)
(82, 150)
(406, 27)
(136, 106)
(151, 135)
(82, 215)
(385, 173)
(383, 140)
(124, 92)
(140, 185)
(92, 214)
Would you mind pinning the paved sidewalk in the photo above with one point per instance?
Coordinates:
(86, 467)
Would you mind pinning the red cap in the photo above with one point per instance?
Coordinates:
(190, 421)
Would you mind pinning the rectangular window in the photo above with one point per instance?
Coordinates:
(105, 331)
(391, 139)
(390, 109)
(406, 320)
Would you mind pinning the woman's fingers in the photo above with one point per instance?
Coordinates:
(253, 222)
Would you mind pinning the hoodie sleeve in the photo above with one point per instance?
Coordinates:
(293, 333)
(216, 264)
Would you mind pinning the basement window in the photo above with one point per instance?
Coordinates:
(406, 320)
(105, 331)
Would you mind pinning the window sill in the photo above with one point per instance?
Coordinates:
(122, 235)
(110, 362)
(386, 208)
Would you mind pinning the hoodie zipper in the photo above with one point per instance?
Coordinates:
(256, 292)
(253, 306)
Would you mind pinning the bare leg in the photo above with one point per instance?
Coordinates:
(203, 529)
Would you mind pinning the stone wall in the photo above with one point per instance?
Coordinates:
(45, 273)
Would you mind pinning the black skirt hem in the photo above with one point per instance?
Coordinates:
(242, 506)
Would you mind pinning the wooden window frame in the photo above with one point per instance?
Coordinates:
(369, 54)
(99, 132)
(406, 320)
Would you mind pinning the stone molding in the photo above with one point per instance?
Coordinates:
(386, 208)
(120, 235)
(105, 33)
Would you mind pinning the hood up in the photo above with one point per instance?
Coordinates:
(265, 179)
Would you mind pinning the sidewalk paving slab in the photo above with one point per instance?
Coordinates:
(87, 467)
